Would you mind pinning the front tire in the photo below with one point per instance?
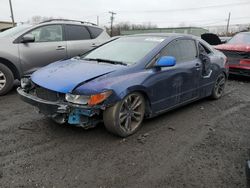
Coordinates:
(125, 117)
(219, 86)
(6, 79)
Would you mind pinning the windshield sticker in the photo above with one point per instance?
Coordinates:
(154, 39)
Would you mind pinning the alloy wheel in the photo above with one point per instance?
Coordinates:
(131, 112)
(220, 85)
(2, 80)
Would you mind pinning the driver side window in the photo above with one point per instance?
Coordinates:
(183, 50)
(50, 33)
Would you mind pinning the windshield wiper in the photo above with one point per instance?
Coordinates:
(106, 61)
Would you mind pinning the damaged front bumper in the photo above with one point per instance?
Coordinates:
(62, 111)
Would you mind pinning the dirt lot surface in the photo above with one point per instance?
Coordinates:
(203, 144)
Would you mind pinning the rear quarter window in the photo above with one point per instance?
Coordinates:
(75, 32)
(208, 51)
(95, 32)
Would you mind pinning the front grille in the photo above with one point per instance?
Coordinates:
(47, 94)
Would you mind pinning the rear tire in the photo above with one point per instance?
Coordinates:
(6, 79)
(125, 117)
(219, 86)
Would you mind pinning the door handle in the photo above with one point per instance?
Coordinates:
(94, 45)
(197, 66)
(60, 48)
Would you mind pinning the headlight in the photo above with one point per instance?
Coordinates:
(77, 99)
(25, 83)
(90, 100)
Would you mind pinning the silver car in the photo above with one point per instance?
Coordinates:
(26, 48)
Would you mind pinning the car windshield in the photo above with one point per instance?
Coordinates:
(15, 30)
(241, 38)
(127, 50)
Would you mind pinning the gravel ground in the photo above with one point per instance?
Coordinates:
(203, 144)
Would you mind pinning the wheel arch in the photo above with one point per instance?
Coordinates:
(226, 75)
(142, 90)
(11, 66)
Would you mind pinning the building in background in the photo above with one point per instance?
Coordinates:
(5, 25)
(198, 31)
(221, 29)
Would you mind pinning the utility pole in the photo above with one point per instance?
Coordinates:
(228, 21)
(12, 15)
(111, 22)
(97, 20)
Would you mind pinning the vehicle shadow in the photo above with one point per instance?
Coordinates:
(199, 104)
(239, 78)
(100, 131)
(13, 90)
(70, 132)
(74, 132)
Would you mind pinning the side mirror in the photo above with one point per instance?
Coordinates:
(166, 61)
(28, 38)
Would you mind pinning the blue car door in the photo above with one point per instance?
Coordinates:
(190, 67)
(176, 85)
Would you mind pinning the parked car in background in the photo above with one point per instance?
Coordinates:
(26, 48)
(237, 50)
(127, 79)
(224, 39)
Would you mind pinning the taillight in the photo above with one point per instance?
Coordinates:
(245, 62)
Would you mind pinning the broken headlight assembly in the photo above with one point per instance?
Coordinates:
(25, 83)
(91, 100)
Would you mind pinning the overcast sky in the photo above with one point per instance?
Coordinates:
(164, 13)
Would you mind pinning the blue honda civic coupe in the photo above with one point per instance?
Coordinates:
(126, 80)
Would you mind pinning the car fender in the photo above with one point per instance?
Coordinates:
(134, 88)
(9, 56)
(14, 67)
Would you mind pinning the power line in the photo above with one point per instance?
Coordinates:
(196, 21)
(94, 15)
(185, 9)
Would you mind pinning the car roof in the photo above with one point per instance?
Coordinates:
(164, 35)
(65, 21)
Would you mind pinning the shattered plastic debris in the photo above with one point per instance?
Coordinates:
(211, 129)
(171, 128)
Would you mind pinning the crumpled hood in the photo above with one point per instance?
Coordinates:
(233, 47)
(64, 76)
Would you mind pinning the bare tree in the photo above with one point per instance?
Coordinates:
(38, 19)
(127, 26)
